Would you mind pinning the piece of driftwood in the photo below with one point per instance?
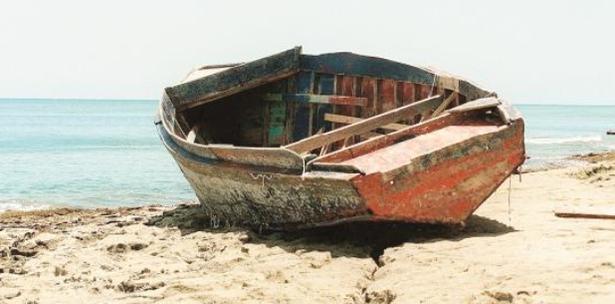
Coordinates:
(602, 216)
(365, 125)
(610, 132)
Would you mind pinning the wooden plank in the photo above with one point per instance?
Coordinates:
(194, 136)
(326, 86)
(321, 99)
(301, 111)
(382, 141)
(345, 87)
(444, 104)
(359, 65)
(343, 119)
(277, 117)
(386, 95)
(423, 91)
(408, 95)
(233, 80)
(478, 104)
(368, 90)
(365, 126)
(585, 215)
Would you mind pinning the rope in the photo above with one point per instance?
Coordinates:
(261, 176)
(509, 191)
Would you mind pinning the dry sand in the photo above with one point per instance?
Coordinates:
(127, 255)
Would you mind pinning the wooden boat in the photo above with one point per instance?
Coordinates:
(294, 140)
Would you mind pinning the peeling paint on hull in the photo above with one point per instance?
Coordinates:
(283, 165)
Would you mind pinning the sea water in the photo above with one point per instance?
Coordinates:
(93, 153)
(555, 132)
(85, 153)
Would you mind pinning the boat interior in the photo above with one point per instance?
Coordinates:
(327, 108)
(309, 104)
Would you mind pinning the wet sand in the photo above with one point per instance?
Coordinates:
(521, 254)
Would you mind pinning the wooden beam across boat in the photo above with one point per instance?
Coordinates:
(344, 119)
(233, 80)
(444, 104)
(366, 125)
(478, 104)
(319, 99)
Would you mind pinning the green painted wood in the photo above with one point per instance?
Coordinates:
(234, 80)
(276, 116)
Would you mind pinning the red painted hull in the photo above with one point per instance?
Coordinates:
(448, 191)
(295, 140)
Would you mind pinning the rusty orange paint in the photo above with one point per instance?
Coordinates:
(407, 93)
(368, 90)
(386, 95)
(447, 192)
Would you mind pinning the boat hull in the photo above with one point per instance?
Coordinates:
(251, 196)
(295, 140)
(445, 186)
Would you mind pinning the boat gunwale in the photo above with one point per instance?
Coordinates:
(318, 63)
(160, 120)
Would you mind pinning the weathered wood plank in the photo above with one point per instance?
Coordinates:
(386, 95)
(478, 104)
(326, 86)
(345, 87)
(601, 216)
(234, 80)
(408, 94)
(359, 65)
(382, 141)
(322, 99)
(194, 136)
(344, 119)
(444, 104)
(368, 90)
(301, 111)
(365, 126)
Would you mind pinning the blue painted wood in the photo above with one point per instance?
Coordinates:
(318, 99)
(234, 80)
(326, 87)
(359, 65)
(302, 110)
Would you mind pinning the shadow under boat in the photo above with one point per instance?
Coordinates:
(356, 239)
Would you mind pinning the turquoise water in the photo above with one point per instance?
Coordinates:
(84, 153)
(554, 132)
(106, 153)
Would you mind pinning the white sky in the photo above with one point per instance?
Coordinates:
(527, 51)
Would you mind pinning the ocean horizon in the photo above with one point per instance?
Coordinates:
(105, 152)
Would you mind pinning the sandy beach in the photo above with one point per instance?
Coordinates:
(517, 253)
